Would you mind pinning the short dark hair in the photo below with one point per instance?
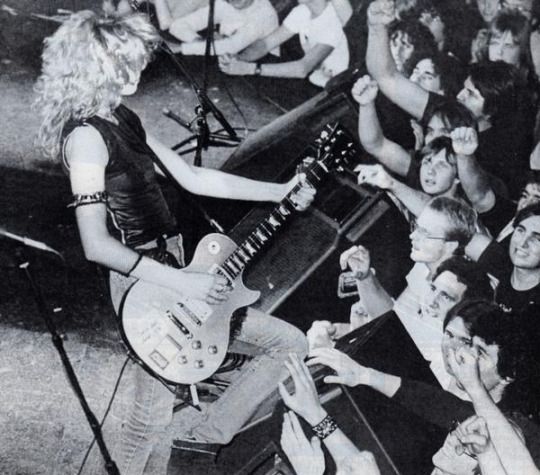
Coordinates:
(420, 38)
(527, 212)
(462, 217)
(501, 86)
(450, 71)
(470, 274)
(452, 113)
(436, 145)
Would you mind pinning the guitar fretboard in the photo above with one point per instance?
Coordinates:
(265, 231)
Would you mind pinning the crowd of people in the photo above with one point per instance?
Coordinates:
(448, 95)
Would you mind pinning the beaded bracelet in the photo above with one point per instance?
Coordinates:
(324, 428)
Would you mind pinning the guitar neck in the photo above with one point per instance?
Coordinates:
(266, 229)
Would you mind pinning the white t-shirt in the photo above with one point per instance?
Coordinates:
(238, 27)
(324, 29)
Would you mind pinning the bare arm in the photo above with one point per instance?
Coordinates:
(263, 46)
(400, 90)
(473, 179)
(87, 157)
(163, 14)
(390, 154)
(291, 69)
(207, 182)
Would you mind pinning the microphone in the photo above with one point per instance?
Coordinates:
(29, 242)
(171, 115)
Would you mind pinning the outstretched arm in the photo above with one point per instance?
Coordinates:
(376, 175)
(473, 179)
(305, 402)
(208, 182)
(400, 90)
(390, 154)
(263, 46)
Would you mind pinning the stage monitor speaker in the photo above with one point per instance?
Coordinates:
(342, 212)
(265, 154)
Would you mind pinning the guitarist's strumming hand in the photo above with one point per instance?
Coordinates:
(304, 196)
(211, 288)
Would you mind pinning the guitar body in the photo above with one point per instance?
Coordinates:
(180, 339)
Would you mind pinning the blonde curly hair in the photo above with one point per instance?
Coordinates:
(86, 63)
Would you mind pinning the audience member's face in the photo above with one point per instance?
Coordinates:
(504, 47)
(436, 127)
(437, 174)
(457, 335)
(428, 240)
(240, 4)
(524, 6)
(447, 461)
(401, 48)
(529, 196)
(425, 76)
(488, 9)
(525, 244)
(433, 21)
(471, 98)
(444, 292)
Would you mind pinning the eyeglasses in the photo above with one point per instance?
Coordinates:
(424, 233)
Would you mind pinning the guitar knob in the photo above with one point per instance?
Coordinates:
(199, 364)
(212, 349)
(182, 359)
(196, 345)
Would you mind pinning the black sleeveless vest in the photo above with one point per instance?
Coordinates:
(137, 210)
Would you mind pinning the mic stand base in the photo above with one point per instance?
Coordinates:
(24, 265)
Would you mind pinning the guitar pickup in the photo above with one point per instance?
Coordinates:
(179, 325)
(186, 312)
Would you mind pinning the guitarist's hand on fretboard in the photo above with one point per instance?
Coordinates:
(304, 195)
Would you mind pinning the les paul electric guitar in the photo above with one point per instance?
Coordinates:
(183, 340)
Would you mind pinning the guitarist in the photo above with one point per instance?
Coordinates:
(89, 64)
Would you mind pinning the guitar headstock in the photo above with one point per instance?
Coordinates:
(335, 147)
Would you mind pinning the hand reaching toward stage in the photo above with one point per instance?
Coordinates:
(349, 372)
(474, 436)
(306, 457)
(464, 140)
(305, 400)
(365, 90)
(320, 334)
(304, 196)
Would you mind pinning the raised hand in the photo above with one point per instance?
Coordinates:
(320, 334)
(211, 288)
(305, 400)
(306, 457)
(464, 140)
(357, 259)
(463, 363)
(474, 435)
(381, 12)
(365, 90)
(374, 175)
(304, 196)
(349, 372)
(358, 315)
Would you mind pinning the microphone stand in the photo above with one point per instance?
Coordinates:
(23, 263)
(199, 125)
